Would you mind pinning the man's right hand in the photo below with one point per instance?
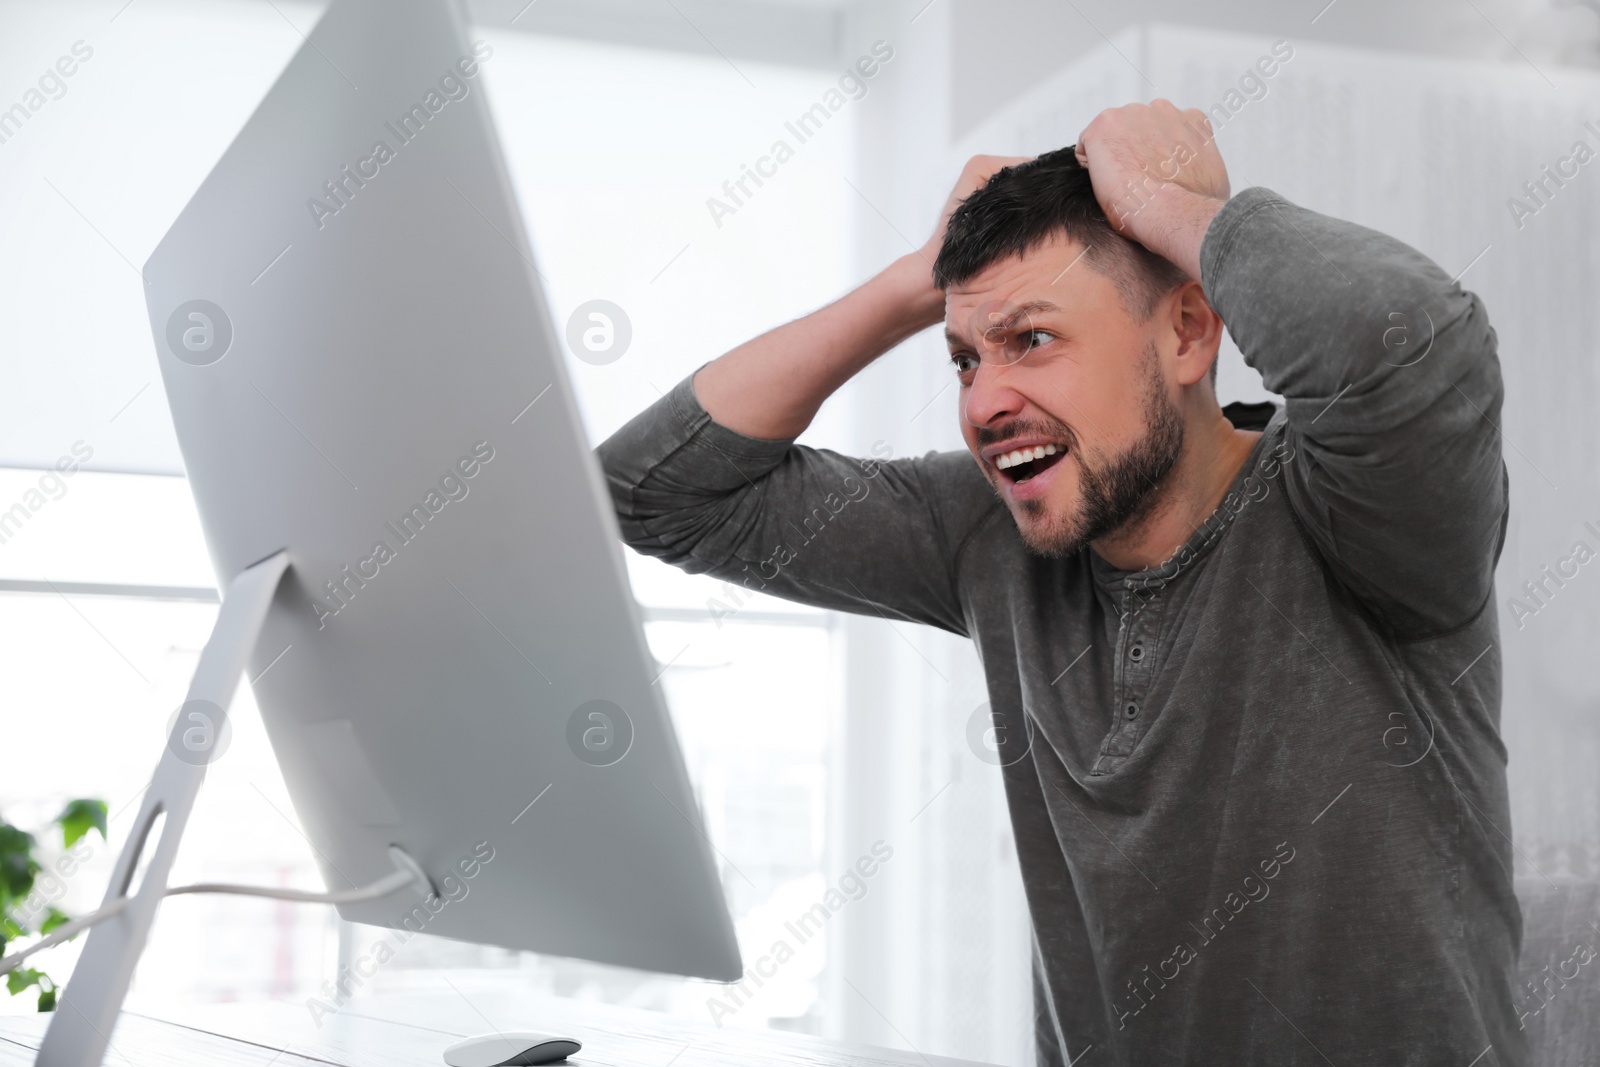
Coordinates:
(974, 176)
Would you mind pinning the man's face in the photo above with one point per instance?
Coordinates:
(1051, 362)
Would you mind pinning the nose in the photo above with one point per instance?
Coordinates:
(990, 398)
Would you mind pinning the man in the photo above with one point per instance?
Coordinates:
(1243, 661)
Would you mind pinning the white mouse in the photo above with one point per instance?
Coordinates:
(512, 1048)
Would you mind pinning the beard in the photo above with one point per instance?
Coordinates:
(1115, 491)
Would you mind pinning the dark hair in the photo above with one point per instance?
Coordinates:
(1024, 205)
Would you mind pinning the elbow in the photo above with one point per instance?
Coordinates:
(1430, 318)
(1430, 342)
(693, 535)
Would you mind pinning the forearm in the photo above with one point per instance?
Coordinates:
(1173, 224)
(772, 386)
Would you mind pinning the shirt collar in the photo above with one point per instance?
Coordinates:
(1210, 531)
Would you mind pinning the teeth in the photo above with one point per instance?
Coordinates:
(1024, 455)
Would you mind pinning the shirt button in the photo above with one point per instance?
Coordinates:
(1131, 710)
(1136, 653)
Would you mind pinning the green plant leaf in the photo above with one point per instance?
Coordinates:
(24, 978)
(79, 817)
(54, 918)
(17, 865)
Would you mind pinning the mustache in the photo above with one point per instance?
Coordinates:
(1006, 431)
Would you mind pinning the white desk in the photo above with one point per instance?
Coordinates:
(400, 1030)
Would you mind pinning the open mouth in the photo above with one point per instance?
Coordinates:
(1021, 464)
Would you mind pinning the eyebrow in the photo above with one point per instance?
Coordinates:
(1022, 311)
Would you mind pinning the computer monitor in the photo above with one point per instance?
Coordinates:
(362, 370)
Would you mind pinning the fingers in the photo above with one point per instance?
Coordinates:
(975, 173)
(1142, 117)
(1138, 150)
(980, 169)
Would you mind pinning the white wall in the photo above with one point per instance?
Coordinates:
(1010, 46)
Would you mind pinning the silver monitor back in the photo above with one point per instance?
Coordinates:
(362, 371)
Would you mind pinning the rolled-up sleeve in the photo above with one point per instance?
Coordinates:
(1392, 391)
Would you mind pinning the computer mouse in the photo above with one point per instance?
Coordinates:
(511, 1048)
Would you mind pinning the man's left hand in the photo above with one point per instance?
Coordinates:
(1158, 176)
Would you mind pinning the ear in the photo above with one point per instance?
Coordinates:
(1198, 331)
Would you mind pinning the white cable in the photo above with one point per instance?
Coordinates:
(381, 888)
(62, 933)
(406, 873)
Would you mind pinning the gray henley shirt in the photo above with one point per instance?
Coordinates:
(1262, 819)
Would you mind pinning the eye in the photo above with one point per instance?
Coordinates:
(965, 363)
(1034, 338)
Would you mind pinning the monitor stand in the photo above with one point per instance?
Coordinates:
(80, 1029)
